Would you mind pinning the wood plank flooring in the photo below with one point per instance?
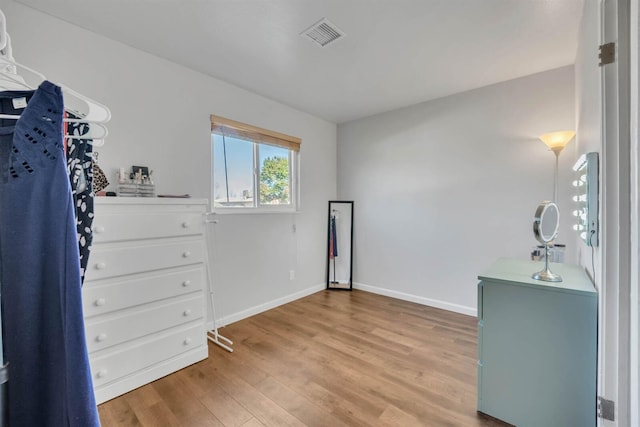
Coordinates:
(331, 359)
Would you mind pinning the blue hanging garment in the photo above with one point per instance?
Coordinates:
(334, 238)
(43, 327)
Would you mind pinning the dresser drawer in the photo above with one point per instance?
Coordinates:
(111, 260)
(115, 294)
(135, 226)
(106, 332)
(144, 354)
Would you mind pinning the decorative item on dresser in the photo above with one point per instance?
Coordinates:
(537, 346)
(545, 229)
(143, 298)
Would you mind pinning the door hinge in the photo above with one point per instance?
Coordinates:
(606, 409)
(607, 53)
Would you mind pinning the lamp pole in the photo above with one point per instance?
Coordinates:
(556, 151)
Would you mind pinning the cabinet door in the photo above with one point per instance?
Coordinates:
(537, 356)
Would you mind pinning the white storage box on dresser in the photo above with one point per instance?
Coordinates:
(144, 291)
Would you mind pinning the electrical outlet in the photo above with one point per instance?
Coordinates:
(292, 274)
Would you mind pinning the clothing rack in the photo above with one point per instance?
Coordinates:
(81, 106)
(334, 243)
(213, 335)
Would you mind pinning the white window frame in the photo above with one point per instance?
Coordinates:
(294, 169)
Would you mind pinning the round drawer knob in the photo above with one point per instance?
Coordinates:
(186, 224)
(186, 283)
(101, 266)
(186, 312)
(98, 229)
(186, 254)
(101, 373)
(100, 302)
(187, 341)
(101, 337)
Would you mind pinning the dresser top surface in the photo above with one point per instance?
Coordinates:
(150, 201)
(518, 272)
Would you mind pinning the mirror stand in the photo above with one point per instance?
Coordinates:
(340, 245)
(545, 229)
(546, 274)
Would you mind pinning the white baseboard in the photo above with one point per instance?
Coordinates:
(470, 311)
(266, 306)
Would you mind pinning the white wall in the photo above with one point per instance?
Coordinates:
(589, 138)
(443, 188)
(161, 119)
(588, 109)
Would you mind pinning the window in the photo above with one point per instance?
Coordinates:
(253, 168)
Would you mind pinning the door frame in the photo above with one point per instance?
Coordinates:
(634, 300)
(616, 310)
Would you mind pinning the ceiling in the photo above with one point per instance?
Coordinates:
(395, 53)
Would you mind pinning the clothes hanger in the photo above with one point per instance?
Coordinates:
(91, 137)
(97, 141)
(18, 80)
(95, 112)
(13, 80)
(3, 31)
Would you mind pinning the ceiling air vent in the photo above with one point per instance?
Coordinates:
(323, 32)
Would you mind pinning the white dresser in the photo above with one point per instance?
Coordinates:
(144, 291)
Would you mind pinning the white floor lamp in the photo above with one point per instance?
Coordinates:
(556, 141)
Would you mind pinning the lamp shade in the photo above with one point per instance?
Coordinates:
(556, 141)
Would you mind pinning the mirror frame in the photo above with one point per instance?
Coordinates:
(344, 264)
(538, 218)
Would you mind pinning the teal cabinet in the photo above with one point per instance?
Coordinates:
(537, 346)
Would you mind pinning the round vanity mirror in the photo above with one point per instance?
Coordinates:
(546, 222)
(545, 229)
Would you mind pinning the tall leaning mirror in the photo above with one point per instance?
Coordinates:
(340, 244)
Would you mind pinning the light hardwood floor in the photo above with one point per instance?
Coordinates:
(332, 359)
